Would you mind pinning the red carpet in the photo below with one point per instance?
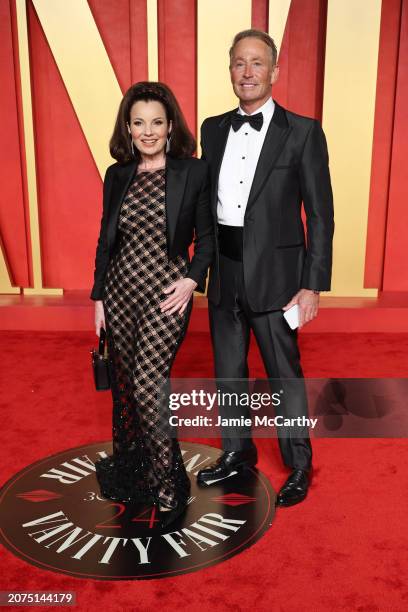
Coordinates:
(344, 548)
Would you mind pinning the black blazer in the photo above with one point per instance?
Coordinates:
(188, 216)
(292, 166)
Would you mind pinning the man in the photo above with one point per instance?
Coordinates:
(264, 162)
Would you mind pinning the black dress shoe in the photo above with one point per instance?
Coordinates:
(228, 462)
(295, 489)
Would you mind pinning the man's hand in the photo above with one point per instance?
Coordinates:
(308, 302)
(180, 294)
(99, 317)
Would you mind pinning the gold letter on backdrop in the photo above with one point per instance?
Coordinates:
(353, 30)
(348, 113)
(85, 68)
(217, 23)
(278, 16)
(86, 71)
(5, 284)
(24, 58)
(152, 41)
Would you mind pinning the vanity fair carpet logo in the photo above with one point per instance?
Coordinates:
(53, 516)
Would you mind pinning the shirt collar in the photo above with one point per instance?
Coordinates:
(266, 109)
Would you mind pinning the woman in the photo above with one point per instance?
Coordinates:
(155, 199)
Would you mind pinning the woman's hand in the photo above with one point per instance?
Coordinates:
(180, 294)
(99, 317)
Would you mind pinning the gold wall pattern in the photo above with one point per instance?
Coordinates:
(86, 68)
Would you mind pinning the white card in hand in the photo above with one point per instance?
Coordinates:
(292, 316)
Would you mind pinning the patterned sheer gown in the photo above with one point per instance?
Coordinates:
(146, 464)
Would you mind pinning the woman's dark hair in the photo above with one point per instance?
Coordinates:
(182, 142)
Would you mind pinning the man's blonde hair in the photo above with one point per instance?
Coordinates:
(253, 33)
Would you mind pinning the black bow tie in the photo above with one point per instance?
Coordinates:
(254, 121)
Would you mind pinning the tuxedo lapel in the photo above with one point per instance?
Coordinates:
(275, 138)
(176, 177)
(121, 182)
(218, 154)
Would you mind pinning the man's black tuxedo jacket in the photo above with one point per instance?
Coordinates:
(292, 167)
(188, 215)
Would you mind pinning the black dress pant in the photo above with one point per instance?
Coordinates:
(230, 324)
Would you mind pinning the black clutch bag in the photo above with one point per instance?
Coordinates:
(100, 363)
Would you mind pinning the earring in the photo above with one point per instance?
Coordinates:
(132, 147)
(168, 144)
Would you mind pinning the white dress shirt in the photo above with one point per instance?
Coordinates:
(238, 167)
